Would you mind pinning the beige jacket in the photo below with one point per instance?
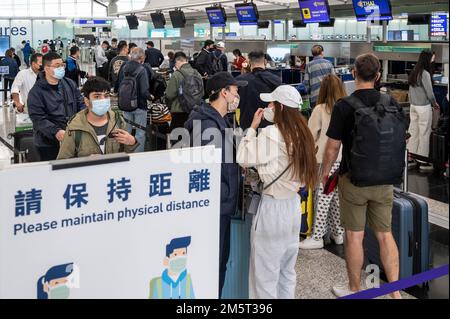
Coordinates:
(267, 152)
(318, 125)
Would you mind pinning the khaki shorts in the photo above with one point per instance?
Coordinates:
(358, 204)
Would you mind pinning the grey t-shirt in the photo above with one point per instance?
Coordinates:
(100, 131)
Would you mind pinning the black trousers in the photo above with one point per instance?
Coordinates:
(224, 253)
(48, 153)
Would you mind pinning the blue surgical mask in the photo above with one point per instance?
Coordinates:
(59, 72)
(100, 107)
(177, 264)
(59, 292)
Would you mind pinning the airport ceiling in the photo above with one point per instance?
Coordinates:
(272, 9)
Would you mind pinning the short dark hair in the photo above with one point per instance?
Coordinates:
(49, 57)
(34, 57)
(150, 43)
(367, 67)
(105, 42)
(208, 43)
(113, 40)
(132, 45)
(74, 50)
(24, 41)
(180, 56)
(95, 84)
(12, 50)
(256, 56)
(317, 50)
(171, 54)
(122, 44)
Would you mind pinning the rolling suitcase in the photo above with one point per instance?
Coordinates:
(410, 231)
(236, 280)
(24, 142)
(438, 149)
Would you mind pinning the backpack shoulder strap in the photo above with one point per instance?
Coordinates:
(385, 99)
(354, 102)
(188, 287)
(77, 142)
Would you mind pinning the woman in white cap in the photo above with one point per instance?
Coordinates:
(284, 156)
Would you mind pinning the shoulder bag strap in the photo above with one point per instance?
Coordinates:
(276, 179)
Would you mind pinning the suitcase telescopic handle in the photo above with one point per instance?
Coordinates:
(405, 174)
(410, 244)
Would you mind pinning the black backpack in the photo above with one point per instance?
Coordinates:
(158, 86)
(128, 91)
(190, 92)
(379, 143)
(216, 63)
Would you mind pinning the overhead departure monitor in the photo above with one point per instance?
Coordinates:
(298, 24)
(158, 19)
(315, 11)
(372, 10)
(327, 24)
(216, 16)
(418, 19)
(247, 13)
(438, 24)
(178, 19)
(263, 24)
(133, 22)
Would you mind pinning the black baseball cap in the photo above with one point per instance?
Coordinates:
(221, 80)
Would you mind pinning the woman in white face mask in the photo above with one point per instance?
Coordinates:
(284, 156)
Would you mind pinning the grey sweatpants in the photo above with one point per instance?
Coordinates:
(274, 248)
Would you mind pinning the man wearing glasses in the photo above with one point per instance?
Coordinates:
(52, 101)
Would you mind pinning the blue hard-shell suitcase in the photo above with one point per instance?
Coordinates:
(236, 280)
(410, 230)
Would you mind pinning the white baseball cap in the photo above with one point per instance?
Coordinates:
(285, 94)
(220, 45)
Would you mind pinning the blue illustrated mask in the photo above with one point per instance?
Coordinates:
(100, 107)
(59, 72)
(59, 292)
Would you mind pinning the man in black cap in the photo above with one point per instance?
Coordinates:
(153, 56)
(222, 89)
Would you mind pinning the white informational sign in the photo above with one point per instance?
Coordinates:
(143, 228)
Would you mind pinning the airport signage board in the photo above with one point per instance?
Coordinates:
(247, 14)
(91, 23)
(372, 10)
(438, 25)
(118, 230)
(216, 16)
(314, 11)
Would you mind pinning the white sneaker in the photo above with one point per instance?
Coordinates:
(311, 243)
(339, 240)
(342, 291)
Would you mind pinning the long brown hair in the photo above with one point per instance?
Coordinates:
(299, 143)
(331, 90)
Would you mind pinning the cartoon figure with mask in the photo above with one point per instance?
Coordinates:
(175, 282)
(58, 281)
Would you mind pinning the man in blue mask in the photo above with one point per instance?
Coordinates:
(175, 282)
(97, 129)
(52, 101)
